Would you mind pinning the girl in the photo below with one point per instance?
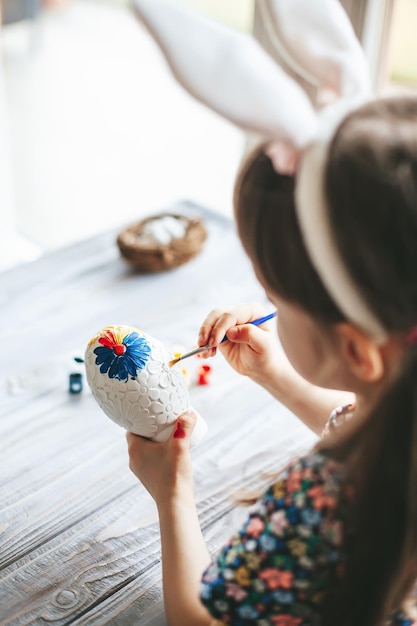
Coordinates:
(333, 540)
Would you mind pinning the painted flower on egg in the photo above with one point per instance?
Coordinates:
(129, 375)
(121, 355)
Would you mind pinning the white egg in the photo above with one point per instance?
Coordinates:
(129, 375)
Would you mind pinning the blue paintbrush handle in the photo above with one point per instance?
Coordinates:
(200, 349)
(258, 322)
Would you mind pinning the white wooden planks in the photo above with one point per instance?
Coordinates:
(79, 542)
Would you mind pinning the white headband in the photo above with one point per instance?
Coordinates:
(233, 75)
(321, 246)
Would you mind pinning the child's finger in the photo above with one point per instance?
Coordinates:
(218, 322)
(248, 334)
(220, 328)
(208, 353)
(207, 326)
(185, 425)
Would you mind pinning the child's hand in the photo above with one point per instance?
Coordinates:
(251, 350)
(164, 469)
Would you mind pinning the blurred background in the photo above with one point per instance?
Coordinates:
(95, 133)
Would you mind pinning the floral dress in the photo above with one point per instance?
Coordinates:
(276, 569)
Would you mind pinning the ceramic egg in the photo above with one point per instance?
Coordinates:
(129, 375)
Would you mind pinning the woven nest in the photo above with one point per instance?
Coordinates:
(152, 256)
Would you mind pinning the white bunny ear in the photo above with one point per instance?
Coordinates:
(317, 40)
(231, 73)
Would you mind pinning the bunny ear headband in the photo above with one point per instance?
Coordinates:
(233, 75)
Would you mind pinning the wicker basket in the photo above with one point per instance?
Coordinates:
(156, 257)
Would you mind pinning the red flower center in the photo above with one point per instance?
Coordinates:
(119, 348)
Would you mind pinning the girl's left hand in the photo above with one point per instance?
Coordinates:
(164, 469)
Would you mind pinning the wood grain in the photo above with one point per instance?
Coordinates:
(79, 535)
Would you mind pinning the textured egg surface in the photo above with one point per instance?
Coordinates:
(129, 376)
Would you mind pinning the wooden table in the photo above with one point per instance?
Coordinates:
(79, 537)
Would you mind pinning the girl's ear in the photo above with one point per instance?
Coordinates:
(363, 356)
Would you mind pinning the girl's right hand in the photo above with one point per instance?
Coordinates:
(251, 350)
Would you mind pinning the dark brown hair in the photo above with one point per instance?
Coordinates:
(371, 191)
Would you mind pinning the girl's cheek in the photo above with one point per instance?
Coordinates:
(297, 349)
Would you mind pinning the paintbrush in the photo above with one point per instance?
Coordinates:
(200, 349)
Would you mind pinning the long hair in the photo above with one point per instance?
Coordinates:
(371, 193)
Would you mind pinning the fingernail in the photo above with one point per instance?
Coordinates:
(180, 432)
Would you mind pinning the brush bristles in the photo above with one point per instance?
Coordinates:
(186, 355)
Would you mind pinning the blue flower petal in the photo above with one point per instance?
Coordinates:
(131, 365)
(105, 359)
(139, 350)
(104, 367)
(121, 366)
(114, 369)
(103, 354)
(131, 338)
(122, 372)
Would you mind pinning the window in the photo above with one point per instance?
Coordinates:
(236, 13)
(400, 71)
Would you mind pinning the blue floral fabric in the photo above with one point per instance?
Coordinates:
(276, 569)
